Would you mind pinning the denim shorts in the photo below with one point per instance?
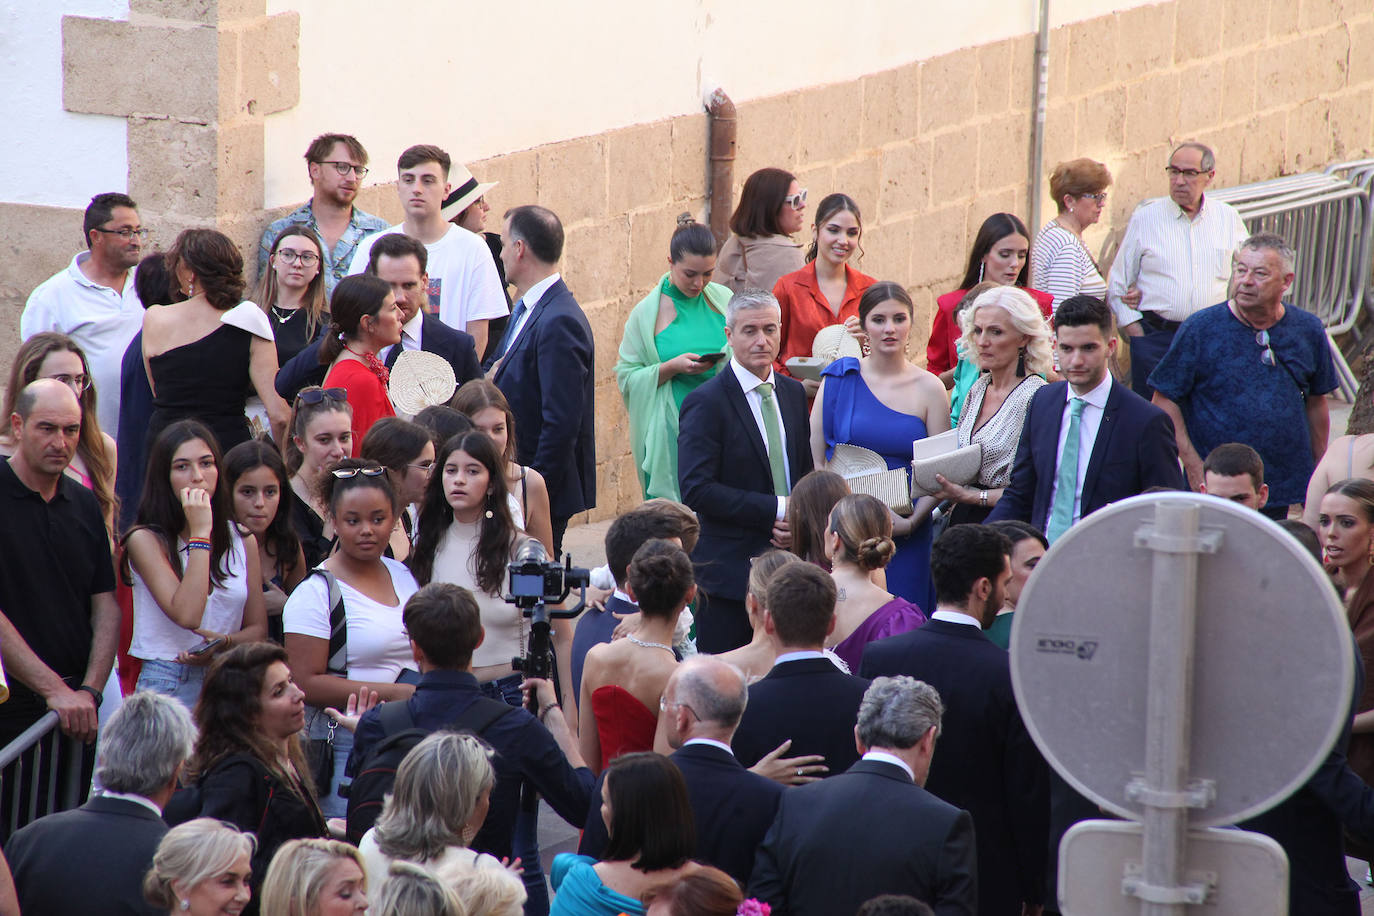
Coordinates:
(173, 679)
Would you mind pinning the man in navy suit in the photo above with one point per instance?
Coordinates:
(732, 807)
(742, 445)
(92, 859)
(988, 764)
(401, 261)
(873, 829)
(1123, 444)
(805, 698)
(543, 365)
(657, 518)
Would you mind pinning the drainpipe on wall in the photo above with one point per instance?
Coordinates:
(720, 175)
(1042, 80)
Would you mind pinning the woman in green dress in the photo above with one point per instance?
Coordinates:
(674, 340)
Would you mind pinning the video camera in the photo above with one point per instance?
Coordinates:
(536, 582)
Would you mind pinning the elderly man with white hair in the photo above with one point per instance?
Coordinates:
(92, 859)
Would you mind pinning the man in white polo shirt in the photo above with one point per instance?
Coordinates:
(93, 300)
(464, 289)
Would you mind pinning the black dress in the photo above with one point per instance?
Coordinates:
(204, 380)
(292, 334)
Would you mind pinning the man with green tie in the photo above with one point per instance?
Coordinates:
(742, 446)
(1089, 440)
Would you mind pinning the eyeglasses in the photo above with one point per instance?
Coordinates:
(77, 383)
(343, 168)
(663, 705)
(796, 201)
(303, 258)
(125, 234)
(1267, 356)
(426, 466)
(347, 473)
(1100, 197)
(1189, 174)
(313, 396)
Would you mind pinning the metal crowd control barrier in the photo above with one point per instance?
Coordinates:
(1328, 219)
(33, 781)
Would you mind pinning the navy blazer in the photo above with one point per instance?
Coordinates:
(808, 700)
(1135, 449)
(547, 377)
(87, 860)
(868, 831)
(725, 477)
(985, 761)
(731, 807)
(458, 347)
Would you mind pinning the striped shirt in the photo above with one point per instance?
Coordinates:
(1179, 264)
(1062, 266)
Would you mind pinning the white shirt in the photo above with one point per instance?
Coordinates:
(1180, 264)
(1088, 424)
(463, 283)
(143, 800)
(531, 299)
(100, 320)
(711, 742)
(377, 644)
(158, 637)
(958, 617)
(412, 336)
(798, 655)
(884, 757)
(750, 383)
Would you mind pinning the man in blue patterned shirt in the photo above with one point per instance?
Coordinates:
(337, 165)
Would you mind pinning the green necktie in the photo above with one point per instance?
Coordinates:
(1066, 478)
(770, 426)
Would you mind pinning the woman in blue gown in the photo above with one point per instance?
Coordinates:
(884, 403)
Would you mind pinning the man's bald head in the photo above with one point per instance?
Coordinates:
(46, 392)
(46, 427)
(714, 690)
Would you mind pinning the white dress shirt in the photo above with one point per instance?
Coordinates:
(710, 742)
(411, 336)
(750, 383)
(884, 757)
(1088, 425)
(1180, 264)
(531, 299)
(959, 617)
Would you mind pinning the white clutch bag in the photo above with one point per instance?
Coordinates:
(942, 455)
(866, 472)
(831, 343)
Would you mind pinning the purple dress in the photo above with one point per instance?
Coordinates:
(897, 616)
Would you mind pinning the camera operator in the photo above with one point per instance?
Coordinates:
(444, 625)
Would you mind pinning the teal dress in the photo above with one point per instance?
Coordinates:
(579, 891)
(697, 328)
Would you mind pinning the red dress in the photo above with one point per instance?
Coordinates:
(805, 310)
(623, 724)
(366, 395)
(944, 331)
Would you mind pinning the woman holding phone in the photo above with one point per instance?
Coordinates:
(674, 340)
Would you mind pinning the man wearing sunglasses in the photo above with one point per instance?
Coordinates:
(93, 300)
(1252, 370)
(337, 164)
(1174, 260)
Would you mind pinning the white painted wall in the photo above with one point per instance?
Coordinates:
(481, 79)
(49, 155)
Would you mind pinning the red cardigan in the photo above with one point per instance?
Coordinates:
(366, 395)
(941, 354)
(805, 311)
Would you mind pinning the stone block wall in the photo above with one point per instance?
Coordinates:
(928, 149)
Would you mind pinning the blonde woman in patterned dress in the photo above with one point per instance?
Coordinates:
(1006, 334)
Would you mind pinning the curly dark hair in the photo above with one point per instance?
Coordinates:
(498, 531)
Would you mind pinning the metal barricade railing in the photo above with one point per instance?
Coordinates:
(40, 772)
(1328, 219)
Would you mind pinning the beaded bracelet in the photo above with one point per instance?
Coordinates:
(198, 544)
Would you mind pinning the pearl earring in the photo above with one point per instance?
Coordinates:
(185, 904)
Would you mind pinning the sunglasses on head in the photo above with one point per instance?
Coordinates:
(313, 396)
(346, 473)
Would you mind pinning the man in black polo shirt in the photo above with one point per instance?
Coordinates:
(58, 619)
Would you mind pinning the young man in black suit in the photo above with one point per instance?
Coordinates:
(873, 829)
(805, 697)
(543, 365)
(1123, 444)
(742, 446)
(988, 764)
(92, 859)
(733, 808)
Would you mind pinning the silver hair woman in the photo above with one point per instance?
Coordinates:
(438, 803)
(412, 891)
(201, 868)
(305, 875)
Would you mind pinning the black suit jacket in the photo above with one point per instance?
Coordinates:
(724, 473)
(1135, 449)
(865, 832)
(985, 761)
(808, 700)
(732, 807)
(458, 347)
(89, 860)
(547, 377)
